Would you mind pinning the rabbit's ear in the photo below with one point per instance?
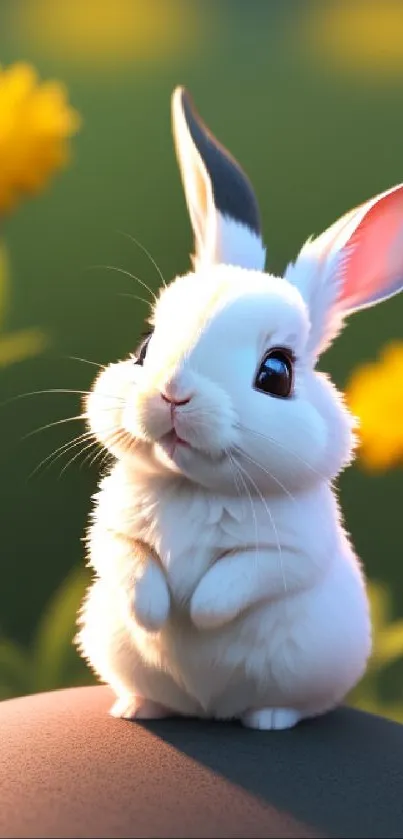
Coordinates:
(356, 263)
(221, 201)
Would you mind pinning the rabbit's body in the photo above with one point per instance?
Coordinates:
(225, 583)
(300, 651)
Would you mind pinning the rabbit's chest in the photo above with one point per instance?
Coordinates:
(190, 538)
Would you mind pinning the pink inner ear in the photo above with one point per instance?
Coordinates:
(373, 267)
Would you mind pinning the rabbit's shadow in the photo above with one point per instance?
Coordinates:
(339, 775)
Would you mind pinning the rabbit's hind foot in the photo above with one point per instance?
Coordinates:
(138, 708)
(271, 719)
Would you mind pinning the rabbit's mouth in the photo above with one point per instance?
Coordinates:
(175, 447)
(171, 442)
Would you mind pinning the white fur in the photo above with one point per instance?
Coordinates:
(249, 596)
(237, 245)
(225, 584)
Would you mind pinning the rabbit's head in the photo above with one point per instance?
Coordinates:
(223, 389)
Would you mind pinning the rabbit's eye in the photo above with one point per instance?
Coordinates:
(141, 351)
(275, 374)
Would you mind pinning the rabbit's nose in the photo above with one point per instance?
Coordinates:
(176, 388)
(175, 401)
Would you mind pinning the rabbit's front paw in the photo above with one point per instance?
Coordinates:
(212, 606)
(151, 602)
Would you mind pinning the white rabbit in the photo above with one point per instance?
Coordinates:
(225, 584)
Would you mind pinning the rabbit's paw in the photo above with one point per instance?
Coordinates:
(271, 719)
(138, 708)
(212, 605)
(151, 602)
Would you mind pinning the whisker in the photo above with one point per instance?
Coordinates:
(281, 446)
(133, 297)
(50, 458)
(91, 458)
(126, 274)
(52, 424)
(232, 460)
(273, 524)
(147, 253)
(233, 470)
(57, 390)
(115, 438)
(76, 455)
(84, 360)
(267, 472)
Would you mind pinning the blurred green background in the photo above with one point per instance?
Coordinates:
(308, 96)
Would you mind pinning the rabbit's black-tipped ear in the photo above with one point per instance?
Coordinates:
(220, 198)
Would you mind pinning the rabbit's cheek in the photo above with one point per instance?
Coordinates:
(145, 417)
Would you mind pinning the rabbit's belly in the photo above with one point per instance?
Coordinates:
(305, 653)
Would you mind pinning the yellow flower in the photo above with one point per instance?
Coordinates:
(20, 345)
(362, 37)
(109, 33)
(375, 395)
(35, 126)
(387, 651)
